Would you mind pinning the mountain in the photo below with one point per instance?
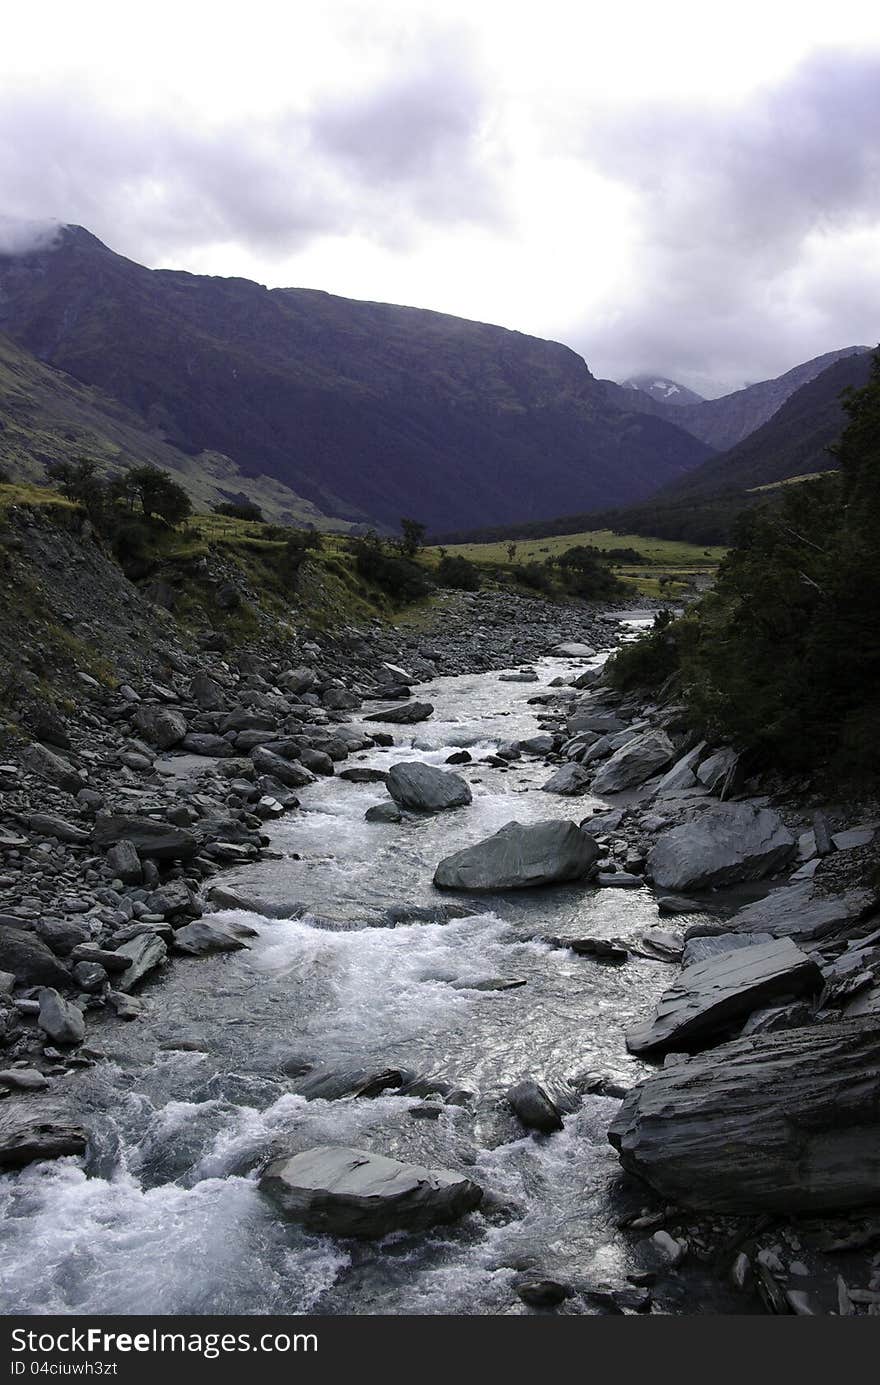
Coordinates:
(724, 422)
(794, 442)
(663, 391)
(46, 415)
(702, 506)
(360, 408)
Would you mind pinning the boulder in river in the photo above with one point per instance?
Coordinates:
(383, 812)
(634, 762)
(404, 715)
(571, 649)
(352, 1192)
(520, 856)
(204, 936)
(145, 952)
(62, 1021)
(569, 780)
(426, 789)
(534, 1107)
(722, 845)
(780, 1122)
(711, 997)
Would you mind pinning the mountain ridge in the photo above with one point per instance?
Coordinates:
(360, 408)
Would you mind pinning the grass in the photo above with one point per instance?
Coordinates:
(790, 481)
(677, 563)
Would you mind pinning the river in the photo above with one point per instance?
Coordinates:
(164, 1216)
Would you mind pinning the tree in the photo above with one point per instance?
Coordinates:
(159, 494)
(412, 538)
(77, 479)
(511, 552)
(241, 509)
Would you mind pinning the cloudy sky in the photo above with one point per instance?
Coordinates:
(680, 187)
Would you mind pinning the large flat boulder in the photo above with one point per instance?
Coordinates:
(722, 845)
(26, 1138)
(635, 762)
(710, 997)
(404, 715)
(426, 789)
(780, 1122)
(795, 911)
(518, 856)
(163, 841)
(351, 1192)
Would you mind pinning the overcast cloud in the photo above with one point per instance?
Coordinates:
(661, 196)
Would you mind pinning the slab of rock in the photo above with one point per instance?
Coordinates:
(351, 1192)
(426, 789)
(100, 956)
(31, 962)
(534, 1107)
(124, 862)
(199, 938)
(715, 768)
(206, 743)
(701, 947)
(721, 846)
(288, 772)
(796, 912)
(780, 1122)
(634, 762)
(525, 675)
(24, 1080)
(569, 780)
(161, 726)
(404, 715)
(206, 692)
(150, 837)
(571, 649)
(59, 1019)
(854, 837)
(710, 997)
(24, 1140)
(518, 857)
(364, 774)
(50, 825)
(55, 769)
(682, 775)
(145, 952)
(226, 897)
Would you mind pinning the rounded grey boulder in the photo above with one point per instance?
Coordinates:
(425, 789)
(351, 1192)
(518, 857)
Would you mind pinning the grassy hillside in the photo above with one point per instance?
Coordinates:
(46, 415)
(661, 567)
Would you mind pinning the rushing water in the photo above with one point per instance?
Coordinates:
(166, 1217)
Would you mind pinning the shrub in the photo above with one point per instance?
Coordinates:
(401, 578)
(241, 509)
(458, 572)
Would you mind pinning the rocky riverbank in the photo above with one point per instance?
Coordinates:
(126, 805)
(118, 821)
